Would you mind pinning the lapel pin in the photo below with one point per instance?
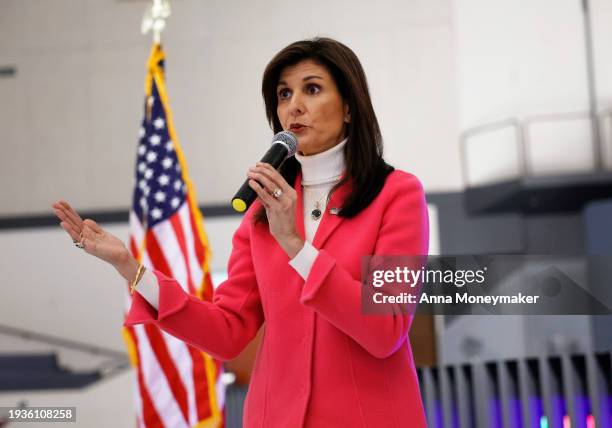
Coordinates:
(334, 211)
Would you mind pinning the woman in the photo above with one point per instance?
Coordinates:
(296, 259)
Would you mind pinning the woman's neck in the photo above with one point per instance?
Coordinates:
(323, 167)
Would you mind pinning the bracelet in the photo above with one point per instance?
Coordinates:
(141, 270)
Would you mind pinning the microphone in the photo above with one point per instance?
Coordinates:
(284, 145)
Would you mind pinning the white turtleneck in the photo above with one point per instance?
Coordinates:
(320, 173)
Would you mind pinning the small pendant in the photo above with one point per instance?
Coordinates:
(315, 214)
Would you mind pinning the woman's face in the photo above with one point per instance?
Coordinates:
(310, 106)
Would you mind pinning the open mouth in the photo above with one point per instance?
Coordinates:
(297, 128)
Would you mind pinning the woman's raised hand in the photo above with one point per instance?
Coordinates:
(95, 240)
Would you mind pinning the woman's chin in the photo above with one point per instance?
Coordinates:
(302, 148)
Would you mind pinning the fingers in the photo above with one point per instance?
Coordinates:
(93, 225)
(265, 180)
(277, 177)
(68, 226)
(88, 232)
(71, 213)
(262, 179)
(74, 234)
(273, 175)
(89, 237)
(89, 245)
(65, 212)
(84, 231)
(66, 219)
(63, 217)
(265, 197)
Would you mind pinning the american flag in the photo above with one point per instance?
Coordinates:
(176, 385)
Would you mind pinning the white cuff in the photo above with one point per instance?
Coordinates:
(303, 261)
(148, 288)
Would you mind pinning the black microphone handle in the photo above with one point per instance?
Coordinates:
(275, 155)
(245, 196)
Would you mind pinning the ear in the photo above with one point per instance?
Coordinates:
(347, 114)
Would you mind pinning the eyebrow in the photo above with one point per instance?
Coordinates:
(282, 82)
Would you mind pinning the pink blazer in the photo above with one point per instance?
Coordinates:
(322, 363)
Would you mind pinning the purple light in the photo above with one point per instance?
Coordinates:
(438, 418)
(558, 409)
(495, 414)
(583, 409)
(536, 410)
(514, 407)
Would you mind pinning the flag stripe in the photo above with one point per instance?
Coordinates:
(180, 353)
(195, 267)
(138, 401)
(156, 254)
(199, 246)
(159, 348)
(179, 350)
(168, 244)
(177, 228)
(166, 236)
(201, 380)
(156, 258)
(134, 249)
(149, 413)
(133, 354)
(136, 230)
(157, 385)
(202, 386)
(220, 389)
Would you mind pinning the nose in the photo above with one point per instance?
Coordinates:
(296, 106)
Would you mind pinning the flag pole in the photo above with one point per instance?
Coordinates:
(154, 20)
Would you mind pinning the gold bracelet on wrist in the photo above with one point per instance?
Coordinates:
(141, 270)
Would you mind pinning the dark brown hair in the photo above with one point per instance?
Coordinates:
(363, 151)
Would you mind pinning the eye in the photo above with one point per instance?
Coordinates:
(313, 89)
(284, 93)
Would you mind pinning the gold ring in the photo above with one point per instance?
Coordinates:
(277, 193)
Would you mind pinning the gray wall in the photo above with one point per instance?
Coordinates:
(71, 114)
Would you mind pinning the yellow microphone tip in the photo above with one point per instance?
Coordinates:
(239, 205)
